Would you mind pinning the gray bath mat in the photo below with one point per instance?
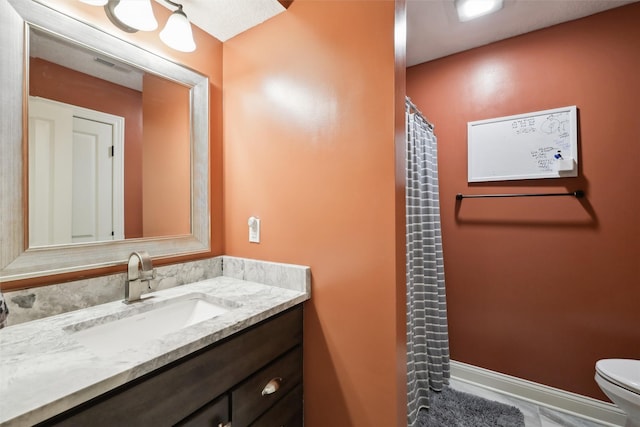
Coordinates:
(451, 408)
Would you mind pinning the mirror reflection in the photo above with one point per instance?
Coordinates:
(109, 148)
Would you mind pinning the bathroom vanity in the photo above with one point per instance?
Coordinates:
(251, 378)
(241, 366)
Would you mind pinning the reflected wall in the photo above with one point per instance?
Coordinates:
(166, 158)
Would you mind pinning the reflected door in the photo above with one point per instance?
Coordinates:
(92, 182)
(74, 194)
(50, 173)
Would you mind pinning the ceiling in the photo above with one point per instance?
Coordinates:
(433, 30)
(224, 19)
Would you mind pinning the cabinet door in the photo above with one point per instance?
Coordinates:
(212, 415)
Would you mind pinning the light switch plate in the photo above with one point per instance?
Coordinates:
(254, 229)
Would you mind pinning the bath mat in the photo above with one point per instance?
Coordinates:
(451, 408)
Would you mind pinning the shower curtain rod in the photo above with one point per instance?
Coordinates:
(415, 108)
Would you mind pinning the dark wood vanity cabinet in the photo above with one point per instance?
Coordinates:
(253, 378)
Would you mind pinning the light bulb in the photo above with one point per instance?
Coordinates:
(177, 33)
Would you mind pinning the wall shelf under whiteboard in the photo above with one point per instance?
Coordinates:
(542, 144)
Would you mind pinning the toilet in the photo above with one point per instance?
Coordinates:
(619, 379)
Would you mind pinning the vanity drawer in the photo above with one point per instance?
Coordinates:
(266, 387)
(288, 412)
(214, 414)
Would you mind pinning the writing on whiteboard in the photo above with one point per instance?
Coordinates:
(544, 158)
(523, 126)
(557, 125)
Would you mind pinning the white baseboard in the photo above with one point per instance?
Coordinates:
(539, 394)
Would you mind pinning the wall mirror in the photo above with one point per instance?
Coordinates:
(105, 148)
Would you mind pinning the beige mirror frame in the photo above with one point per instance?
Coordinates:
(16, 260)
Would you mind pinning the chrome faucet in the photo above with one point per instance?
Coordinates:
(138, 279)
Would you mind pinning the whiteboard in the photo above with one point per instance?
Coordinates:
(542, 144)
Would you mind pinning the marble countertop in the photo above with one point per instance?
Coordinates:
(44, 370)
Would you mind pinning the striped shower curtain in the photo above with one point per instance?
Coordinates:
(427, 337)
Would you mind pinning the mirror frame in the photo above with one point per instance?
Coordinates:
(17, 261)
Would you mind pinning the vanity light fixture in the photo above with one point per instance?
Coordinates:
(177, 31)
(471, 9)
(137, 15)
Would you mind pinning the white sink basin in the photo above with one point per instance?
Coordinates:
(108, 336)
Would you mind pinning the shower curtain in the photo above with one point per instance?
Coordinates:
(427, 334)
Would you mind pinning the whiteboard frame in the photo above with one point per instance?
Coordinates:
(472, 148)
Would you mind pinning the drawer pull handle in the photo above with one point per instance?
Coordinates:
(224, 425)
(272, 386)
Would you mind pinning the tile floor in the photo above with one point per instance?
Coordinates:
(534, 415)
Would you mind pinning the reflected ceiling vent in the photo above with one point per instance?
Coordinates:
(111, 65)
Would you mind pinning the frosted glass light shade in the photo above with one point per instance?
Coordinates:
(136, 14)
(177, 33)
(95, 2)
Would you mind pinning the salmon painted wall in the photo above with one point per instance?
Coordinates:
(52, 81)
(166, 164)
(207, 59)
(309, 127)
(541, 288)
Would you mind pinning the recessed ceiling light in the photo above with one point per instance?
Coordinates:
(471, 9)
